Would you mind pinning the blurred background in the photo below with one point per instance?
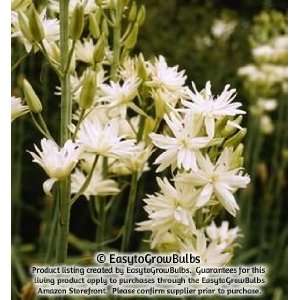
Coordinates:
(243, 43)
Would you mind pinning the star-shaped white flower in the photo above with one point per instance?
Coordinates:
(211, 253)
(104, 139)
(97, 186)
(212, 108)
(120, 95)
(217, 179)
(182, 149)
(165, 80)
(57, 162)
(17, 108)
(171, 209)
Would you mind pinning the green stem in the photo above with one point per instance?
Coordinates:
(128, 224)
(87, 181)
(81, 117)
(19, 61)
(116, 43)
(52, 234)
(100, 204)
(44, 125)
(66, 117)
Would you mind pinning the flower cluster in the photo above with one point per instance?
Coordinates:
(123, 109)
(201, 145)
(265, 80)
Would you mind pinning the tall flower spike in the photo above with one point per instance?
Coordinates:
(57, 162)
(182, 149)
(218, 179)
(212, 108)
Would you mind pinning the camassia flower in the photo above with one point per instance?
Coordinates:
(212, 108)
(97, 186)
(182, 149)
(17, 108)
(166, 78)
(120, 95)
(104, 139)
(211, 253)
(222, 234)
(217, 179)
(171, 209)
(57, 162)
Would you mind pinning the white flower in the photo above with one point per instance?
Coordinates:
(17, 108)
(104, 139)
(57, 162)
(212, 108)
(222, 235)
(96, 187)
(167, 79)
(84, 51)
(134, 162)
(217, 179)
(211, 253)
(222, 29)
(171, 210)
(120, 95)
(182, 149)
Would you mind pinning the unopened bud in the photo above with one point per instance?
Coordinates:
(88, 90)
(77, 22)
(104, 27)
(141, 68)
(236, 139)
(24, 26)
(31, 98)
(232, 126)
(93, 26)
(99, 51)
(36, 25)
(132, 37)
(141, 15)
(132, 12)
(237, 157)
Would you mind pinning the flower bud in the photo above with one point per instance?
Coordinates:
(141, 15)
(232, 126)
(132, 12)
(237, 157)
(24, 26)
(236, 139)
(141, 67)
(36, 25)
(104, 27)
(19, 4)
(132, 37)
(77, 22)
(31, 98)
(99, 51)
(93, 26)
(88, 90)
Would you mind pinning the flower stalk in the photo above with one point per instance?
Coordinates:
(129, 217)
(66, 116)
